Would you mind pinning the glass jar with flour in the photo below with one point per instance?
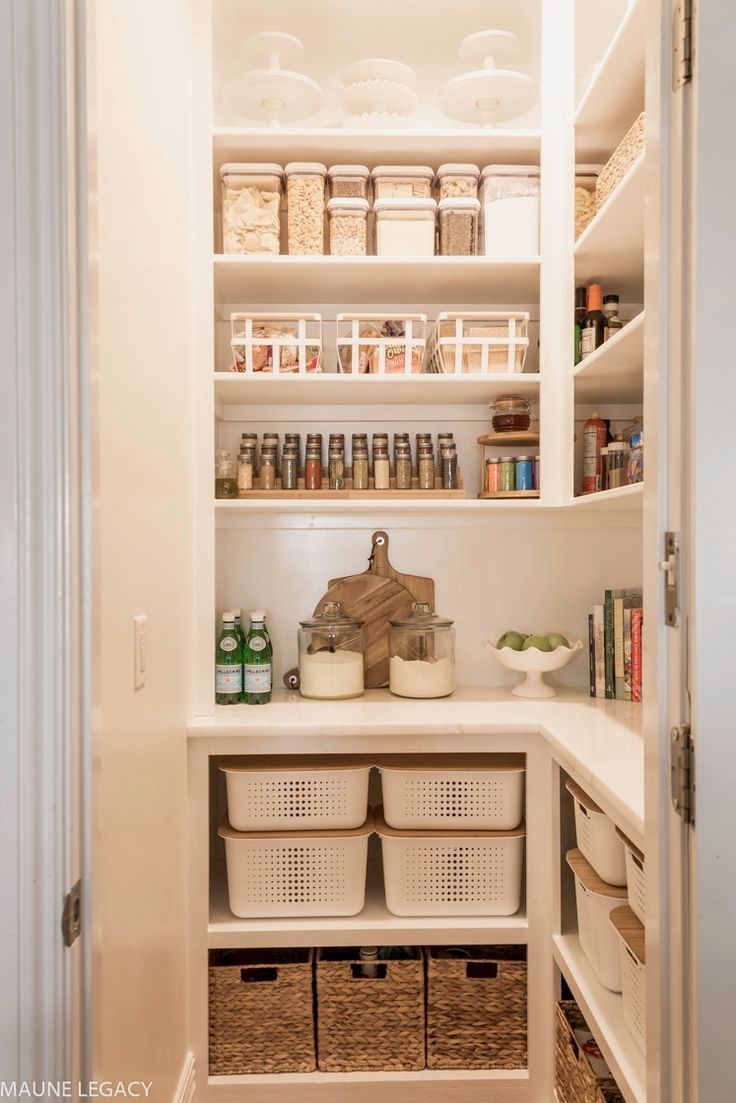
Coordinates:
(422, 649)
(331, 655)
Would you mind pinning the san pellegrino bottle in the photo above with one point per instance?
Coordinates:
(228, 663)
(237, 613)
(257, 662)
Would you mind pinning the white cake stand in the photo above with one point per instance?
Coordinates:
(274, 93)
(534, 664)
(487, 95)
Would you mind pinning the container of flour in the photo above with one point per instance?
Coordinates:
(422, 654)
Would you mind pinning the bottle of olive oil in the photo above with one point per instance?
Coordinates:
(228, 663)
(257, 662)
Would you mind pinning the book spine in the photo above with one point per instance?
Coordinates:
(591, 654)
(608, 636)
(618, 644)
(600, 651)
(627, 654)
(637, 622)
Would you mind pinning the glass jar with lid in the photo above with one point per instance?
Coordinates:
(511, 413)
(331, 655)
(422, 651)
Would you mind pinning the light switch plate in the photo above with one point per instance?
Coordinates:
(140, 639)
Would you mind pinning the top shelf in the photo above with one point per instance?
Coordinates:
(615, 96)
(375, 147)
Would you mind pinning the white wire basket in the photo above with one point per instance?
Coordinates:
(277, 343)
(597, 838)
(632, 959)
(380, 344)
(478, 343)
(595, 900)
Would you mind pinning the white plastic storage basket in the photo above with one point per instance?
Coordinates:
(276, 342)
(281, 874)
(595, 901)
(477, 791)
(380, 344)
(597, 839)
(633, 971)
(634, 877)
(296, 794)
(451, 872)
(478, 342)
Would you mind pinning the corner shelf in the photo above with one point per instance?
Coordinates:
(513, 440)
(611, 247)
(615, 371)
(619, 498)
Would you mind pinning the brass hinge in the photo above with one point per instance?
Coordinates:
(682, 44)
(682, 772)
(71, 915)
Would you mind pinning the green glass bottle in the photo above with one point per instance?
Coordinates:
(257, 662)
(228, 663)
(239, 627)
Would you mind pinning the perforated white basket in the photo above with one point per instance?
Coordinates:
(632, 957)
(595, 901)
(284, 873)
(451, 872)
(634, 877)
(480, 791)
(296, 794)
(597, 839)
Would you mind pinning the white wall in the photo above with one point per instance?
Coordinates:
(142, 535)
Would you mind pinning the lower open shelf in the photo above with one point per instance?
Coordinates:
(434, 1085)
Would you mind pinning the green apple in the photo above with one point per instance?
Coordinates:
(541, 643)
(514, 640)
(556, 639)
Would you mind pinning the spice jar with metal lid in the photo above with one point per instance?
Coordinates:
(507, 474)
(289, 469)
(524, 473)
(245, 469)
(425, 467)
(313, 468)
(511, 413)
(422, 654)
(360, 468)
(267, 471)
(331, 655)
(402, 466)
(449, 466)
(381, 469)
(493, 466)
(336, 469)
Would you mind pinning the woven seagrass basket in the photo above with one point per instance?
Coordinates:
(369, 1023)
(620, 161)
(477, 1008)
(261, 1011)
(575, 1080)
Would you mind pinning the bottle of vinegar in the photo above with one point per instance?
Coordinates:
(257, 662)
(228, 663)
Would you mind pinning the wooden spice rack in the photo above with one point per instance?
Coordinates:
(348, 491)
(506, 440)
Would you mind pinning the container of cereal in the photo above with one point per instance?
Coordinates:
(251, 208)
(348, 227)
(458, 181)
(305, 208)
(458, 224)
(348, 181)
(510, 196)
(405, 227)
(402, 181)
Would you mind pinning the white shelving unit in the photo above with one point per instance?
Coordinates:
(614, 372)
(611, 247)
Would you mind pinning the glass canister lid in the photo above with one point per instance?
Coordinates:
(332, 616)
(511, 404)
(422, 617)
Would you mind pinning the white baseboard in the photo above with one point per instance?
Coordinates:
(185, 1088)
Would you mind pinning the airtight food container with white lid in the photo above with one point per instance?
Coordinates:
(405, 227)
(348, 181)
(251, 208)
(402, 182)
(305, 207)
(458, 181)
(510, 196)
(348, 219)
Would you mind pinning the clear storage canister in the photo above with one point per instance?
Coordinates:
(422, 650)
(348, 181)
(331, 655)
(458, 181)
(510, 196)
(251, 208)
(305, 208)
(402, 182)
(405, 227)
(458, 222)
(348, 227)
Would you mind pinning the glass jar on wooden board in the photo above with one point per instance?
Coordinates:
(422, 654)
(331, 655)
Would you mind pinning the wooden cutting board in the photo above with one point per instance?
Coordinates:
(421, 589)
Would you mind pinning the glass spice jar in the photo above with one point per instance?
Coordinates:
(506, 474)
(245, 469)
(444, 439)
(336, 469)
(250, 440)
(226, 485)
(403, 468)
(360, 470)
(313, 468)
(511, 414)
(535, 473)
(268, 471)
(381, 469)
(449, 469)
(493, 475)
(271, 441)
(425, 468)
(289, 469)
(524, 474)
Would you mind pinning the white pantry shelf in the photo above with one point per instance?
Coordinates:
(610, 249)
(233, 508)
(615, 371)
(375, 147)
(604, 1014)
(628, 497)
(330, 388)
(615, 96)
(327, 279)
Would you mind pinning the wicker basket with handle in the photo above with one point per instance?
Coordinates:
(261, 1011)
(369, 1023)
(477, 1008)
(575, 1080)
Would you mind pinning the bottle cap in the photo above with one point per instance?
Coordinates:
(236, 612)
(228, 617)
(258, 615)
(595, 297)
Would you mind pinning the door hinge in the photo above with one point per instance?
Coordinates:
(682, 44)
(71, 915)
(682, 772)
(670, 565)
